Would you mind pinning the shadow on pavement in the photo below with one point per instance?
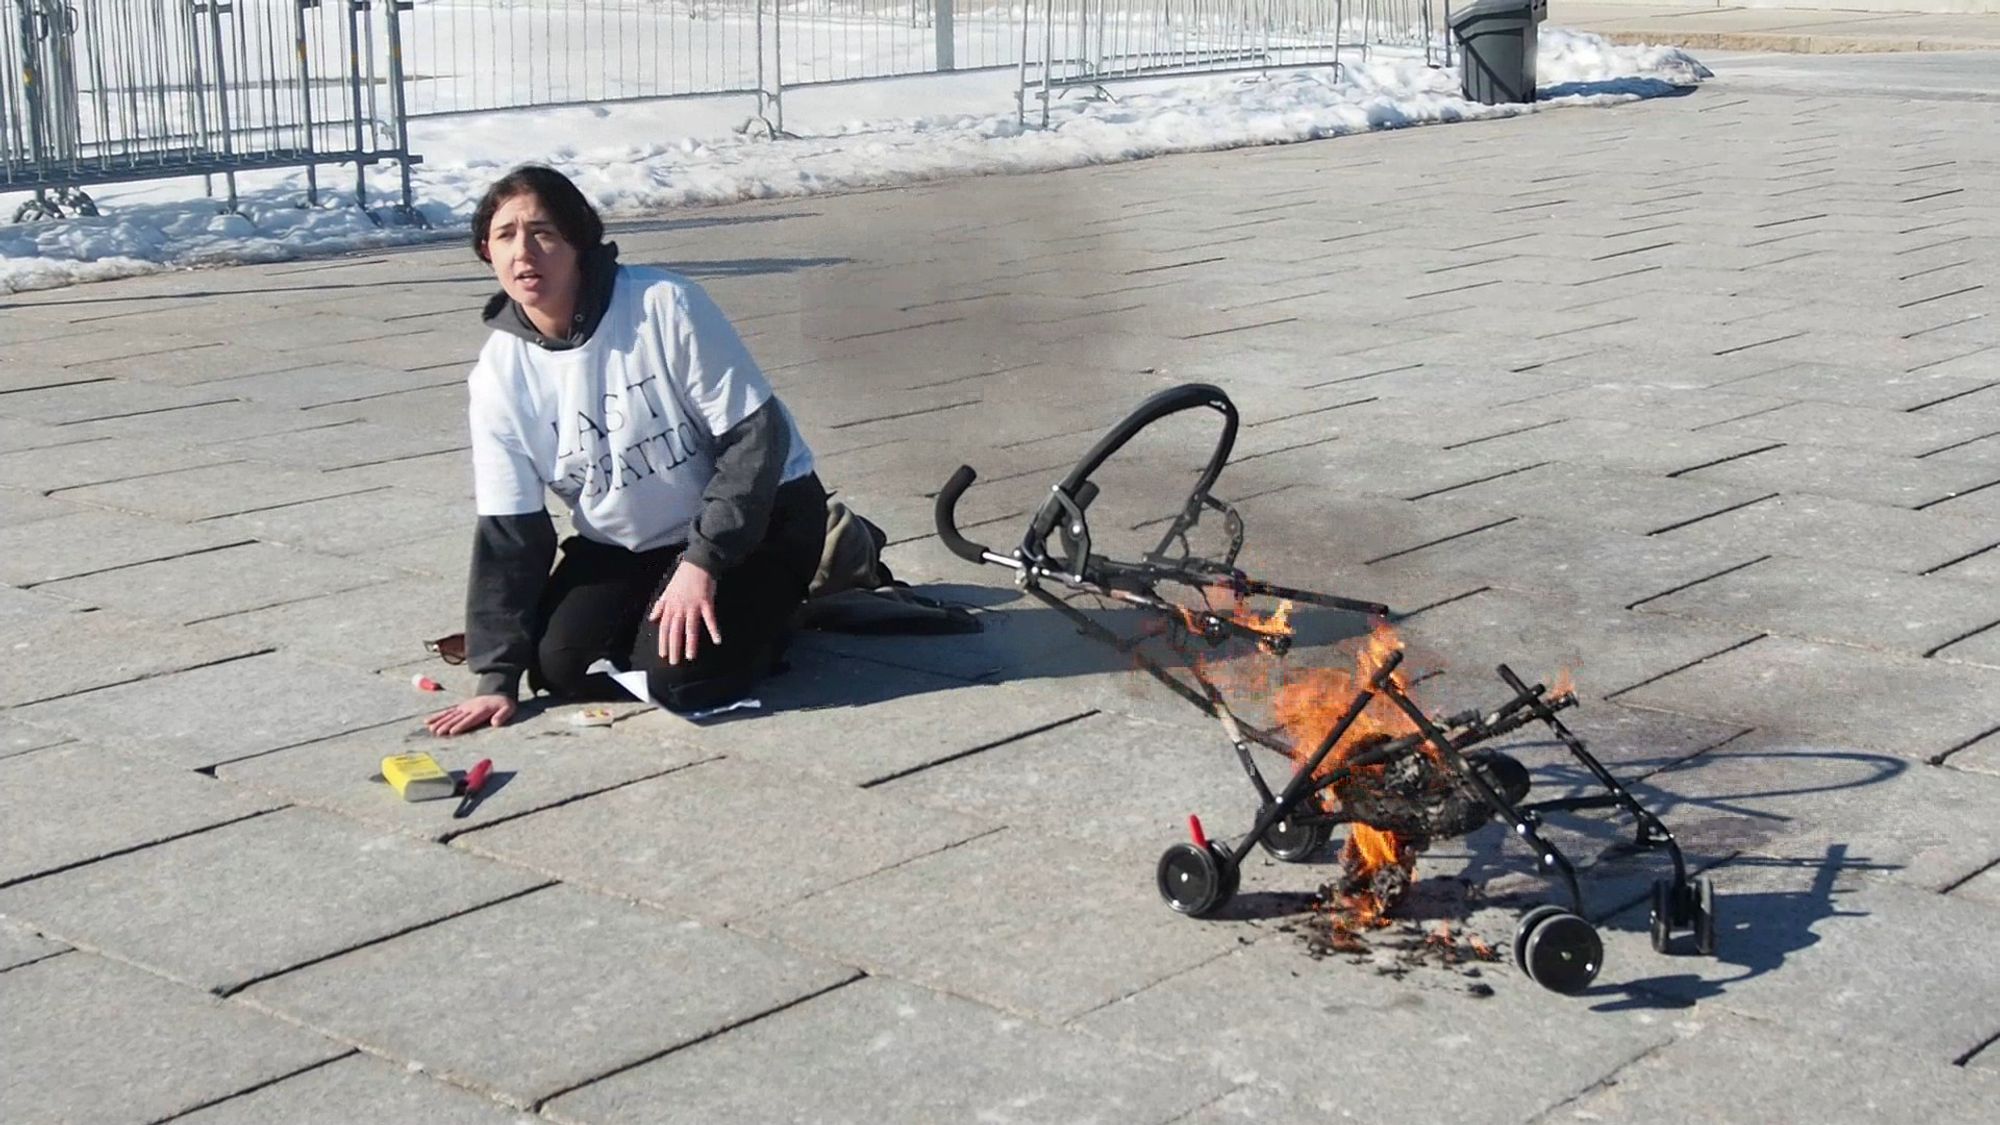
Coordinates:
(1756, 932)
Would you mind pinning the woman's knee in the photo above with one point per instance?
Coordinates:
(563, 669)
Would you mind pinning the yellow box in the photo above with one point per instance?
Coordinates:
(418, 777)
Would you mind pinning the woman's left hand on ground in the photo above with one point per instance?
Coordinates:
(684, 608)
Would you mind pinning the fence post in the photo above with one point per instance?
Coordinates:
(946, 41)
(394, 10)
(354, 9)
(214, 10)
(306, 101)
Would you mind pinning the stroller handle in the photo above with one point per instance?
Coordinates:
(946, 513)
(1173, 400)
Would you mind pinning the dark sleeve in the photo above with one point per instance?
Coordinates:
(510, 564)
(736, 507)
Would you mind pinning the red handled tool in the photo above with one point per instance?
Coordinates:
(469, 789)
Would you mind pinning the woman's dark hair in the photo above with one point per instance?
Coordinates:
(573, 214)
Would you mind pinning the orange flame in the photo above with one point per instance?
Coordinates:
(1565, 684)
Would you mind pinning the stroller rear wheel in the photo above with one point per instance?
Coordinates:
(1559, 951)
(1294, 840)
(1704, 916)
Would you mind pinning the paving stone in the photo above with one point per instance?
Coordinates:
(1058, 783)
(1632, 448)
(213, 584)
(228, 421)
(371, 628)
(20, 945)
(455, 344)
(1701, 1074)
(50, 656)
(1848, 474)
(17, 435)
(88, 541)
(1319, 529)
(1034, 928)
(1981, 502)
(1833, 692)
(19, 738)
(92, 1040)
(241, 902)
(115, 398)
(1981, 647)
(1256, 1103)
(911, 717)
(1265, 1014)
(228, 711)
(355, 523)
(1782, 797)
(342, 446)
(1809, 939)
(438, 474)
(1840, 604)
(1571, 561)
(323, 383)
(1881, 387)
(58, 815)
(1819, 527)
(1640, 404)
(357, 1088)
(96, 461)
(539, 761)
(321, 329)
(1642, 505)
(205, 493)
(1893, 433)
(447, 556)
(1603, 648)
(877, 1047)
(617, 983)
(698, 842)
(192, 366)
(18, 506)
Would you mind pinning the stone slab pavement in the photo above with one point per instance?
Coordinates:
(1696, 398)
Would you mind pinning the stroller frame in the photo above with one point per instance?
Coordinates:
(1554, 946)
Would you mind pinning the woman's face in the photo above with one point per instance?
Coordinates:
(535, 264)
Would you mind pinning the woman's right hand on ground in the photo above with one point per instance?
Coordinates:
(471, 714)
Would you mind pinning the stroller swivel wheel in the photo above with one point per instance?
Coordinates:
(1526, 926)
(1295, 841)
(1232, 875)
(1704, 916)
(1194, 880)
(1663, 914)
(1562, 952)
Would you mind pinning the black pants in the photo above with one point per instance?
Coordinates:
(595, 608)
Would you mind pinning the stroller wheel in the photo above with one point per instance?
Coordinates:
(1663, 914)
(1193, 880)
(1503, 772)
(1295, 841)
(1704, 916)
(1526, 926)
(1563, 953)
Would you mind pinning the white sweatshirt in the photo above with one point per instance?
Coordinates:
(622, 428)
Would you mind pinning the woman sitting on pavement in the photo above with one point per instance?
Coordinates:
(624, 390)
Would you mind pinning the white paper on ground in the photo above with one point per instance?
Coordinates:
(635, 682)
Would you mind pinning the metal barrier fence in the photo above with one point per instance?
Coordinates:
(104, 91)
(1091, 42)
(471, 56)
(99, 91)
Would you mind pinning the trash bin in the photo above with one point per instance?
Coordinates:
(1496, 49)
